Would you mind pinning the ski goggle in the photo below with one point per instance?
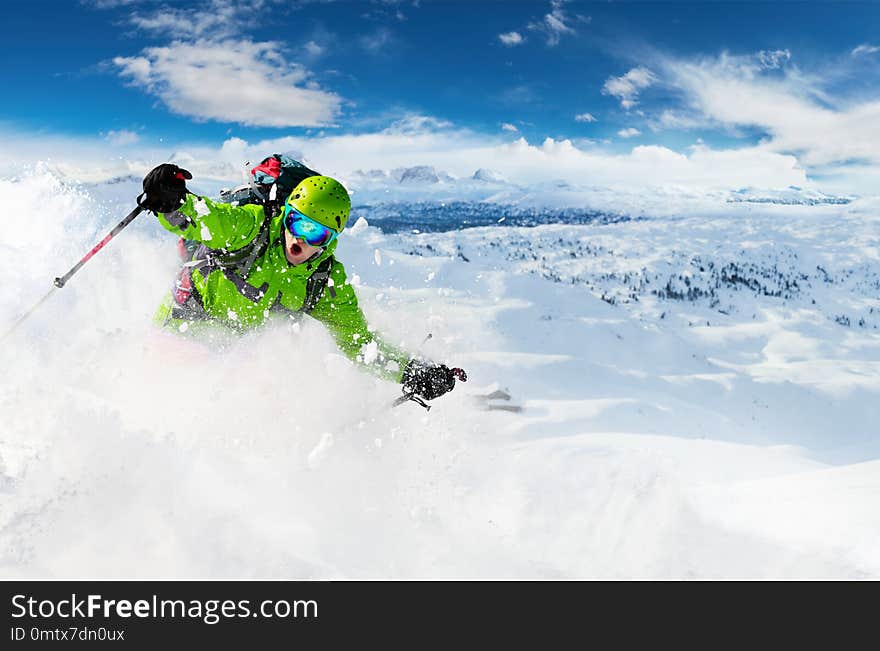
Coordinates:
(306, 228)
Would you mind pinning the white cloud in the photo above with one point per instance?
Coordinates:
(313, 49)
(522, 94)
(509, 127)
(629, 133)
(112, 4)
(772, 59)
(794, 111)
(585, 117)
(627, 87)
(414, 124)
(214, 19)
(176, 22)
(457, 151)
(461, 152)
(808, 130)
(380, 10)
(511, 38)
(675, 119)
(376, 41)
(865, 49)
(210, 73)
(245, 82)
(555, 24)
(122, 137)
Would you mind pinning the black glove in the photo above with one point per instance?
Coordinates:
(164, 188)
(429, 381)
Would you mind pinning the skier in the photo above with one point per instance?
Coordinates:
(252, 260)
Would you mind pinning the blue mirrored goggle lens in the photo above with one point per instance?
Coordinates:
(307, 229)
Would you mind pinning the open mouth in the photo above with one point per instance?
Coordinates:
(296, 249)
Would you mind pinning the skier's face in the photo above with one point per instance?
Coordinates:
(296, 250)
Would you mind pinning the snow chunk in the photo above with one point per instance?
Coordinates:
(359, 226)
(319, 452)
(377, 257)
(370, 351)
(205, 233)
(201, 208)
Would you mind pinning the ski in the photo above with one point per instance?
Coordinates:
(489, 401)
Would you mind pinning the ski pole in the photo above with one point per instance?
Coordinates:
(61, 281)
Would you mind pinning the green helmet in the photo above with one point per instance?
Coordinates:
(323, 199)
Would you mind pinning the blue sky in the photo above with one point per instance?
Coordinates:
(781, 78)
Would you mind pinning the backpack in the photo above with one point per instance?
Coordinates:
(271, 182)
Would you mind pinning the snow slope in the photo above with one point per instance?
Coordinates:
(700, 392)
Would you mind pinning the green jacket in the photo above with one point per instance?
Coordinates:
(272, 283)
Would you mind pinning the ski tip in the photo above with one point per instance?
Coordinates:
(516, 409)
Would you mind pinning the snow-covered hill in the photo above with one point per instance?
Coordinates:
(700, 390)
(792, 195)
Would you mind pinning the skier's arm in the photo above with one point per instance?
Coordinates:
(218, 225)
(346, 322)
